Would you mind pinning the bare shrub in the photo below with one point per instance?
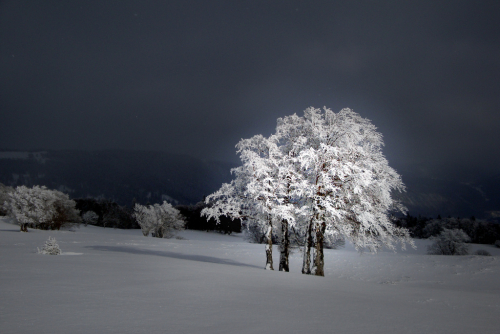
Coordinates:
(449, 242)
(482, 252)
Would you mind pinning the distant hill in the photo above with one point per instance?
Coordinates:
(451, 195)
(146, 176)
(122, 176)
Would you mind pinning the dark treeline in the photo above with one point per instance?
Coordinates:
(111, 214)
(479, 231)
(194, 220)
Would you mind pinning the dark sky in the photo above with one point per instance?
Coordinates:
(195, 77)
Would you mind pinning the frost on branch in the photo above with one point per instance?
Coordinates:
(161, 220)
(50, 248)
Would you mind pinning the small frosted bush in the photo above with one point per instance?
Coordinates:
(482, 252)
(90, 218)
(161, 220)
(449, 242)
(50, 248)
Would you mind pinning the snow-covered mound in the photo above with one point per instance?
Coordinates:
(123, 282)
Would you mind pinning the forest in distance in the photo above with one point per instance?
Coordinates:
(128, 177)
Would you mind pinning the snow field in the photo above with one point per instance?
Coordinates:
(119, 281)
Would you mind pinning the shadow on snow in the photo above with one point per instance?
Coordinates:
(199, 258)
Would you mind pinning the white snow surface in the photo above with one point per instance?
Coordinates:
(123, 282)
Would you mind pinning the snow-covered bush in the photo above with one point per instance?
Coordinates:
(50, 248)
(90, 218)
(161, 220)
(482, 252)
(449, 242)
(41, 208)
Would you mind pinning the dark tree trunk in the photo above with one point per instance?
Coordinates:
(306, 261)
(269, 246)
(24, 227)
(159, 233)
(319, 259)
(284, 246)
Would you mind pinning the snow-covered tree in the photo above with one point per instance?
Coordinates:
(50, 248)
(259, 194)
(90, 218)
(161, 220)
(42, 208)
(324, 174)
(233, 201)
(66, 212)
(449, 242)
(269, 185)
(347, 182)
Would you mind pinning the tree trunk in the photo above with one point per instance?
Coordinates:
(306, 261)
(269, 246)
(284, 246)
(24, 227)
(319, 259)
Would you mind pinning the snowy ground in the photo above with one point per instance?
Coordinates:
(116, 281)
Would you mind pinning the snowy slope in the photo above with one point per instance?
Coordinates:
(117, 281)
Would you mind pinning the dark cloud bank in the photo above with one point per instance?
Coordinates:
(194, 77)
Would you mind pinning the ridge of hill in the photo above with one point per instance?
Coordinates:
(121, 176)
